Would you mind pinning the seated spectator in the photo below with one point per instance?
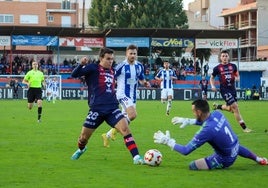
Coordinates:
(256, 95)
(247, 94)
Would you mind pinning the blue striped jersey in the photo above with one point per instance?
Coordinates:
(166, 75)
(127, 76)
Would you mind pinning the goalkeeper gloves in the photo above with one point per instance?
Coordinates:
(183, 121)
(161, 138)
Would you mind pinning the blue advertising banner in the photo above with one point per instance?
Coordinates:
(172, 42)
(32, 40)
(125, 41)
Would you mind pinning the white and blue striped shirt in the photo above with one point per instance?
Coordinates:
(127, 76)
(167, 77)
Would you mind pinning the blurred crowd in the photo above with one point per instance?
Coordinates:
(22, 63)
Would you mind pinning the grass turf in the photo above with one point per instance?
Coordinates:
(38, 155)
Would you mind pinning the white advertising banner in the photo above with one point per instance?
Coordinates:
(4, 40)
(216, 43)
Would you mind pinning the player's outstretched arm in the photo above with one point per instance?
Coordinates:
(161, 138)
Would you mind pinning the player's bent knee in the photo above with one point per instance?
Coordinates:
(123, 129)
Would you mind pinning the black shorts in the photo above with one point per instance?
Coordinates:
(34, 94)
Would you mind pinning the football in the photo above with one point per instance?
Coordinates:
(153, 157)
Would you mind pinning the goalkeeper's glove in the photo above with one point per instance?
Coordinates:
(161, 138)
(183, 121)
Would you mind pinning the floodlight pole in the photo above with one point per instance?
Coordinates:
(83, 16)
(238, 59)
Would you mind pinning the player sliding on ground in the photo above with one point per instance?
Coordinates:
(216, 131)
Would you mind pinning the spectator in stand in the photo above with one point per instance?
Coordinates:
(197, 67)
(182, 73)
(206, 68)
(183, 61)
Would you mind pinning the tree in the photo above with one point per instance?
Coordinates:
(202, 54)
(137, 14)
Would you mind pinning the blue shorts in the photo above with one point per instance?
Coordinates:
(229, 95)
(216, 161)
(95, 118)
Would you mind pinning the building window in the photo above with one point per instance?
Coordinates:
(66, 4)
(50, 18)
(6, 18)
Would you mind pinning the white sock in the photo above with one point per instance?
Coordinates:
(109, 133)
(136, 157)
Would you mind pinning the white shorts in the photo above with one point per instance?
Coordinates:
(48, 90)
(126, 102)
(55, 93)
(166, 92)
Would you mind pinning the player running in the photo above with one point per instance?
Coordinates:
(166, 76)
(228, 75)
(34, 79)
(128, 74)
(103, 103)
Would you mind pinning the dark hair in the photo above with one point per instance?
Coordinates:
(225, 51)
(202, 105)
(132, 47)
(104, 51)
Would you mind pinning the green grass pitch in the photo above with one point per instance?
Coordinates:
(38, 155)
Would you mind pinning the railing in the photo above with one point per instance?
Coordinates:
(241, 25)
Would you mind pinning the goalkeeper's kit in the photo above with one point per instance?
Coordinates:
(183, 121)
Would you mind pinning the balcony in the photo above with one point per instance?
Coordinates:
(241, 26)
(248, 42)
(61, 11)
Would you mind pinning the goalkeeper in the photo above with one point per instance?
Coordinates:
(216, 131)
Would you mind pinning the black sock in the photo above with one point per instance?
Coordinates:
(243, 125)
(39, 112)
(219, 106)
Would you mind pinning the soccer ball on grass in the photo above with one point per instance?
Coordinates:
(153, 157)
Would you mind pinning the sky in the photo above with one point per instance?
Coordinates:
(185, 3)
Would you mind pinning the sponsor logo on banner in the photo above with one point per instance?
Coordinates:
(82, 42)
(125, 41)
(216, 43)
(5, 41)
(33, 40)
(172, 42)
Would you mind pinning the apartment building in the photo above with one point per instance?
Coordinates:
(250, 16)
(205, 13)
(58, 13)
(44, 13)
